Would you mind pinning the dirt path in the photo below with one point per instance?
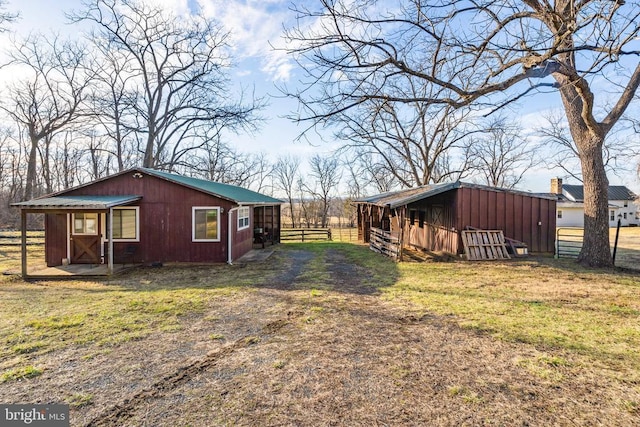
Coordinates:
(338, 354)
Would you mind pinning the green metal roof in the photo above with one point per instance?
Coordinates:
(395, 199)
(226, 191)
(78, 202)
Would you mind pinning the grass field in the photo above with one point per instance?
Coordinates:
(330, 333)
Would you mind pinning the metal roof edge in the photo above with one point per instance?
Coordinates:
(33, 203)
(430, 192)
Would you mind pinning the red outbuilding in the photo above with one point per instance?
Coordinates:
(145, 216)
(432, 217)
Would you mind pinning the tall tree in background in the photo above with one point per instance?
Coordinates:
(285, 173)
(619, 150)
(48, 99)
(501, 155)
(113, 102)
(416, 142)
(326, 174)
(483, 53)
(179, 74)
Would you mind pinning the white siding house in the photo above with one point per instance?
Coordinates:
(623, 205)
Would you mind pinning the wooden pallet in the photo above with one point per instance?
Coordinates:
(484, 245)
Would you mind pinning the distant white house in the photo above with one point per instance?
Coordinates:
(623, 205)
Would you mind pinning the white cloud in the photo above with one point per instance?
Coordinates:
(256, 28)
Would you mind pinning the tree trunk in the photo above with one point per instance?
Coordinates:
(588, 137)
(31, 170)
(596, 250)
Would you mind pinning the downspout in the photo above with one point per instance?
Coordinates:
(229, 235)
(110, 258)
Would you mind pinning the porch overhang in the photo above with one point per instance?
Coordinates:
(71, 204)
(75, 203)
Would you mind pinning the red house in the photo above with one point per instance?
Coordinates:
(151, 217)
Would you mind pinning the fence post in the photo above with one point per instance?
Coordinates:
(615, 245)
(303, 234)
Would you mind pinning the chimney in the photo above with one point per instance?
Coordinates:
(556, 185)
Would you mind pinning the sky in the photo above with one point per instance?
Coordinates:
(256, 26)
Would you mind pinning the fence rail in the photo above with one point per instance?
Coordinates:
(305, 234)
(14, 238)
(384, 242)
(569, 242)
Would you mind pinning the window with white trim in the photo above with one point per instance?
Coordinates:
(243, 217)
(559, 214)
(126, 224)
(205, 224)
(612, 215)
(85, 223)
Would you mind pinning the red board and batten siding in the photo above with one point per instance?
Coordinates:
(526, 218)
(166, 220)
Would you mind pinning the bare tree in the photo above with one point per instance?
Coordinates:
(218, 161)
(481, 53)
(177, 68)
(6, 17)
(326, 174)
(618, 150)
(49, 99)
(112, 101)
(306, 202)
(366, 174)
(417, 142)
(285, 174)
(502, 155)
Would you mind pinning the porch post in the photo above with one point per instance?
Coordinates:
(23, 235)
(110, 258)
(401, 217)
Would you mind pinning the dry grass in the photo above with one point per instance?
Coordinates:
(330, 333)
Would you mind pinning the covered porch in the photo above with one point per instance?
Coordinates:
(266, 224)
(79, 235)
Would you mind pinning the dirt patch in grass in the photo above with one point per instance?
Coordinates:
(318, 335)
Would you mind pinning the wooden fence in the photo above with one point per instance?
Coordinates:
(14, 238)
(305, 234)
(384, 242)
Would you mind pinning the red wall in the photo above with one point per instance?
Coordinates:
(165, 220)
(529, 219)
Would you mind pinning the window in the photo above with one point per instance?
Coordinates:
(125, 224)
(243, 218)
(626, 204)
(559, 214)
(206, 224)
(412, 216)
(85, 223)
(624, 215)
(612, 215)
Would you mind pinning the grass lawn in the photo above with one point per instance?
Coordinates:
(329, 333)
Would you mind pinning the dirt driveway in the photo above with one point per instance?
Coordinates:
(316, 349)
